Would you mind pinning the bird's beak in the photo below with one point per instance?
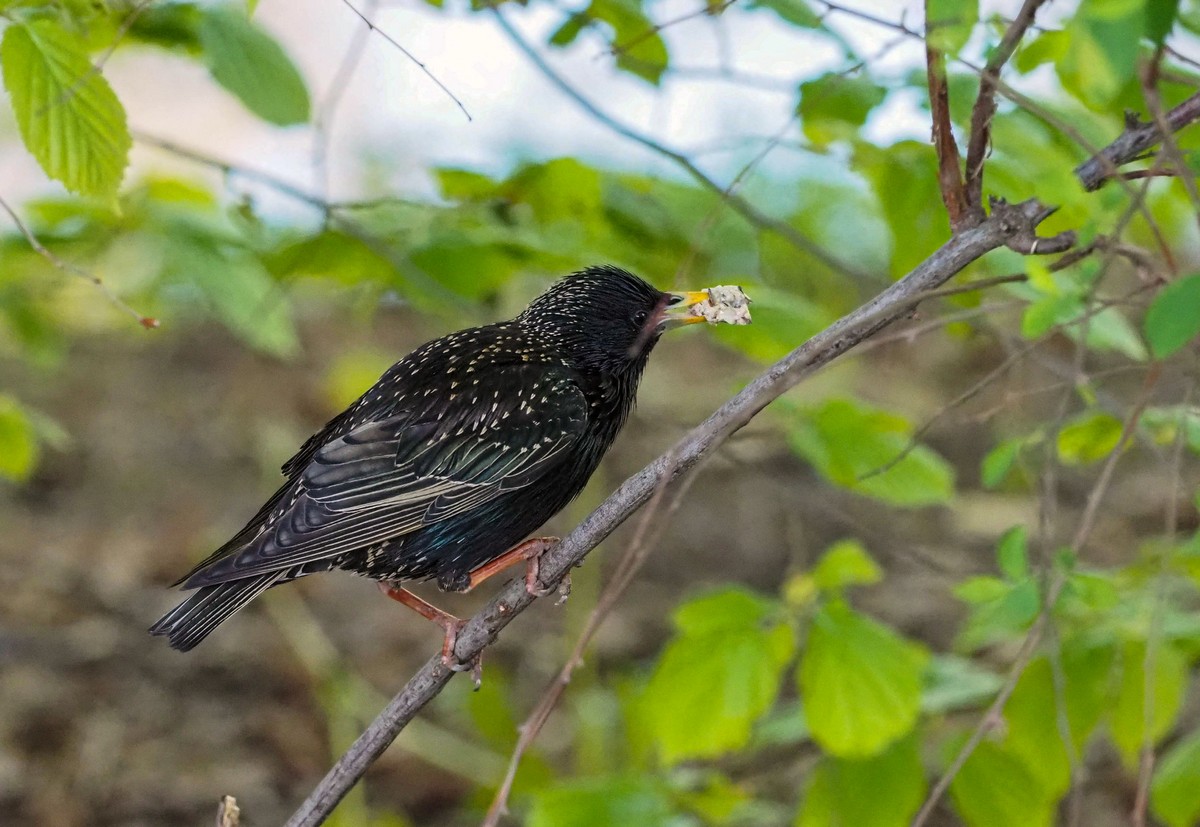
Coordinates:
(678, 310)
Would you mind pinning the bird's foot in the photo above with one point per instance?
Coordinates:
(533, 582)
(450, 624)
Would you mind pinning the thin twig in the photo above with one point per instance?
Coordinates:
(148, 322)
(323, 122)
(1006, 222)
(408, 55)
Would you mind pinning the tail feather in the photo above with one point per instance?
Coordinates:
(192, 620)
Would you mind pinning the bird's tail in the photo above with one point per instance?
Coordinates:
(191, 621)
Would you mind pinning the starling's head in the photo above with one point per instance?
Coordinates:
(606, 319)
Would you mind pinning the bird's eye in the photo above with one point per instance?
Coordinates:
(640, 317)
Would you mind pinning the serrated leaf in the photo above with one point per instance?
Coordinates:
(68, 116)
(1176, 780)
(18, 441)
(724, 668)
(253, 66)
(860, 682)
(1173, 319)
(883, 791)
(948, 23)
(1127, 713)
(1089, 438)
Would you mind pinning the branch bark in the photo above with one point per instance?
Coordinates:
(985, 103)
(950, 179)
(1135, 140)
(1007, 224)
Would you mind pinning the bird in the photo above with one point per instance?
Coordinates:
(460, 451)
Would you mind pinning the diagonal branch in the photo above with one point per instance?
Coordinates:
(1133, 142)
(985, 103)
(1007, 223)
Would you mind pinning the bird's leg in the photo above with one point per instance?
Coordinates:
(530, 552)
(450, 624)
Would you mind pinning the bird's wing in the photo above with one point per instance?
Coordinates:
(388, 478)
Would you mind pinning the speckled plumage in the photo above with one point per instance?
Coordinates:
(459, 451)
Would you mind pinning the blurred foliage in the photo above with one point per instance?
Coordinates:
(801, 672)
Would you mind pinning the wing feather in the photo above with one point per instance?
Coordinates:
(384, 479)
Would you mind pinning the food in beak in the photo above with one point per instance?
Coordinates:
(726, 304)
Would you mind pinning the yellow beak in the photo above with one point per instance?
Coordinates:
(679, 307)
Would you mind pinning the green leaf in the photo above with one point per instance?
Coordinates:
(845, 563)
(1176, 780)
(995, 788)
(999, 462)
(1101, 54)
(948, 23)
(1127, 713)
(1012, 553)
(846, 442)
(253, 66)
(1047, 47)
(883, 791)
(242, 295)
(639, 48)
(796, 12)
(18, 441)
(723, 668)
(68, 115)
(834, 106)
(954, 683)
(1111, 330)
(860, 682)
(601, 802)
(1160, 19)
(1089, 438)
(1173, 319)
(999, 614)
(1031, 706)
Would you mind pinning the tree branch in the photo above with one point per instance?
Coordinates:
(1006, 223)
(985, 102)
(1133, 142)
(950, 179)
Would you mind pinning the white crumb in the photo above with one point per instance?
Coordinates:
(727, 304)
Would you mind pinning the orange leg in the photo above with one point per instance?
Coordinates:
(449, 623)
(530, 552)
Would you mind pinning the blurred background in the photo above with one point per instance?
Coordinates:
(303, 204)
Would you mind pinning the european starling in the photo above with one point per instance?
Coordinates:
(458, 452)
